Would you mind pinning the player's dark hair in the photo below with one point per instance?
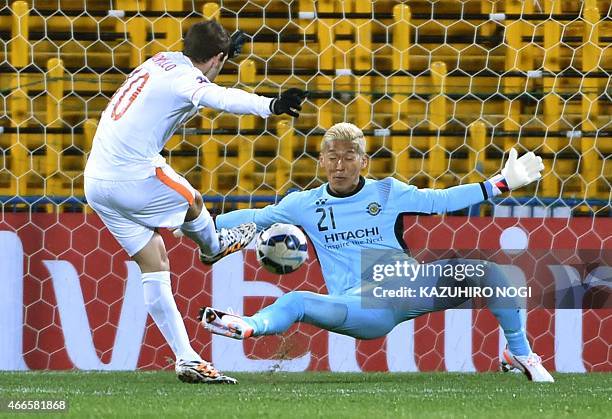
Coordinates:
(204, 40)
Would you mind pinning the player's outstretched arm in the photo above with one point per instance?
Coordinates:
(234, 218)
(240, 102)
(286, 211)
(201, 92)
(517, 172)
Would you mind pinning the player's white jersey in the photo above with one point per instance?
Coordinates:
(156, 98)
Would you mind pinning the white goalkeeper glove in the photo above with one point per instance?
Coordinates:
(517, 172)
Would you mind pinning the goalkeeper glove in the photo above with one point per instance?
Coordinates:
(289, 102)
(236, 42)
(517, 172)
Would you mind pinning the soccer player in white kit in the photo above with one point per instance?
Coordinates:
(134, 191)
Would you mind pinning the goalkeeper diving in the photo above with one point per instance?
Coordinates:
(349, 206)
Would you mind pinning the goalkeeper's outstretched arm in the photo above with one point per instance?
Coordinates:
(517, 172)
(283, 212)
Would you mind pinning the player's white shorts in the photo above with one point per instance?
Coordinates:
(132, 209)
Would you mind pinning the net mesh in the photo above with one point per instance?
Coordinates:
(441, 89)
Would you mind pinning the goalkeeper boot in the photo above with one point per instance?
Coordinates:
(530, 365)
(224, 324)
(231, 240)
(200, 372)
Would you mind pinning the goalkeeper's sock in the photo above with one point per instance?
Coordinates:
(325, 311)
(160, 303)
(202, 231)
(509, 311)
(513, 323)
(277, 317)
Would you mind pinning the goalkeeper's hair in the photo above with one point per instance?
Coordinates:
(204, 40)
(344, 131)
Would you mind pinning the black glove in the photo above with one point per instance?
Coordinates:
(236, 42)
(289, 102)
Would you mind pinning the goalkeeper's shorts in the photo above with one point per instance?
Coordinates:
(132, 209)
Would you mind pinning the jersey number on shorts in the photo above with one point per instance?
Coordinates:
(128, 92)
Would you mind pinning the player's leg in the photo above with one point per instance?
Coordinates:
(342, 314)
(511, 315)
(159, 300)
(199, 226)
(509, 312)
(116, 204)
(484, 274)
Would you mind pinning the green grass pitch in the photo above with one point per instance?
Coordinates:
(293, 395)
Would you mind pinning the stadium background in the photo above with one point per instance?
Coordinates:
(442, 90)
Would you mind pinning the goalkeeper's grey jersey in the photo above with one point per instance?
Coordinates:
(340, 227)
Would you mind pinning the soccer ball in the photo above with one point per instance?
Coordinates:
(282, 248)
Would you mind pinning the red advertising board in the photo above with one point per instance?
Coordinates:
(67, 281)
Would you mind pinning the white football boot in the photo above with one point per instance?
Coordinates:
(231, 240)
(530, 365)
(224, 324)
(200, 372)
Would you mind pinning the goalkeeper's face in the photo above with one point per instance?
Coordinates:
(342, 163)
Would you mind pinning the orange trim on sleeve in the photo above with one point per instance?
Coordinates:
(181, 189)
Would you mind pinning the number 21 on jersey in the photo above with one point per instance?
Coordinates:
(326, 220)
